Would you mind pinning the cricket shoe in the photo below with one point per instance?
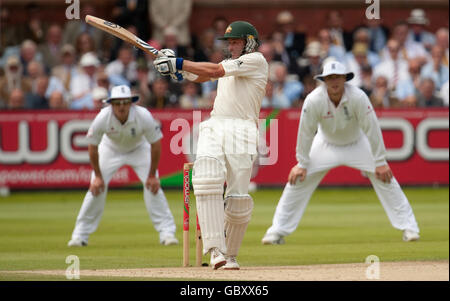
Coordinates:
(77, 242)
(231, 264)
(273, 239)
(169, 240)
(217, 258)
(409, 235)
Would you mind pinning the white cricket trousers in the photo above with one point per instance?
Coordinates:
(110, 161)
(323, 157)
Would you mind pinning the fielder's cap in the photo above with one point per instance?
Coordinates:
(418, 17)
(89, 59)
(121, 92)
(334, 67)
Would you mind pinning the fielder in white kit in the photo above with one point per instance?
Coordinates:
(124, 134)
(227, 143)
(348, 133)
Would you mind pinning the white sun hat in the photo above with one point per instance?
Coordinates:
(334, 67)
(121, 92)
(89, 59)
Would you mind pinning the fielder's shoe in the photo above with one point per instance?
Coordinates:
(217, 258)
(273, 239)
(409, 235)
(231, 264)
(169, 240)
(77, 242)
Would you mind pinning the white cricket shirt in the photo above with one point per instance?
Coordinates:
(241, 90)
(341, 125)
(139, 128)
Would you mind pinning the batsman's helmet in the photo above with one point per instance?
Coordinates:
(243, 30)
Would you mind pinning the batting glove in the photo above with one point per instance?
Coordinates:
(166, 65)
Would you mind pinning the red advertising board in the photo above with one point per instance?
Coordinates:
(46, 149)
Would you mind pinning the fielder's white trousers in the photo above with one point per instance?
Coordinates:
(323, 157)
(110, 161)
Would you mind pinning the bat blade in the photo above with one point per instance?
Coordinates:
(122, 34)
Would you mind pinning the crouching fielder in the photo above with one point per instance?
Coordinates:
(124, 134)
(227, 143)
(348, 134)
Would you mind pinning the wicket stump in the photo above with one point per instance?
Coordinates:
(198, 236)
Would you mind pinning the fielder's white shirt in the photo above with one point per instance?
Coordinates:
(139, 128)
(241, 90)
(341, 125)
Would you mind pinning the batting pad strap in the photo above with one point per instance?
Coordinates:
(238, 209)
(204, 186)
(208, 176)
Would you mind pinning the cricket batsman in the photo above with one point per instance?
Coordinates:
(227, 143)
(124, 134)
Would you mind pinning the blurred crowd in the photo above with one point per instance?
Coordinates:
(74, 65)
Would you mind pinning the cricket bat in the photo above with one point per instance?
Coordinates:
(122, 34)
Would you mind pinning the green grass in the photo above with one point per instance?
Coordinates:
(339, 226)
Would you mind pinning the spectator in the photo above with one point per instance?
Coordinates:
(12, 80)
(16, 100)
(394, 68)
(382, 96)
(57, 101)
(367, 83)
(408, 49)
(9, 36)
(435, 70)
(34, 28)
(274, 99)
(82, 84)
(418, 22)
(281, 54)
(161, 96)
(309, 84)
(339, 36)
(268, 51)
(132, 12)
(294, 40)
(426, 96)
(328, 48)
(171, 13)
(219, 25)
(50, 50)
(99, 94)
(124, 66)
(190, 99)
(67, 69)
(362, 36)
(84, 43)
(28, 53)
(311, 63)
(378, 34)
(292, 89)
(170, 41)
(37, 99)
(408, 86)
(103, 80)
(206, 46)
(356, 61)
(442, 41)
(35, 71)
